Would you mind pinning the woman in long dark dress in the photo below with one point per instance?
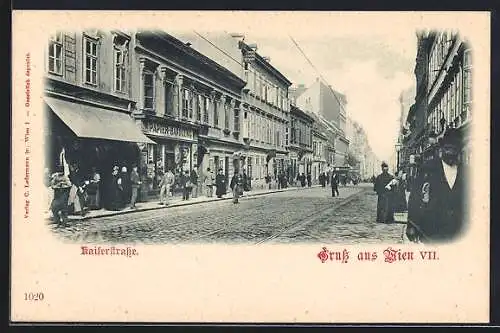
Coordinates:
(398, 194)
(381, 186)
(114, 192)
(220, 183)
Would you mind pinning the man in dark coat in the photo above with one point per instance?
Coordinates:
(384, 207)
(236, 186)
(334, 182)
(186, 185)
(436, 211)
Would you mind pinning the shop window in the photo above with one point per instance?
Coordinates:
(90, 60)
(55, 53)
(149, 90)
(237, 120)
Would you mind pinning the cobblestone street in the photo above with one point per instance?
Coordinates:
(309, 215)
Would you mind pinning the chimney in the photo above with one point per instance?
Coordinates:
(268, 59)
(253, 46)
(238, 36)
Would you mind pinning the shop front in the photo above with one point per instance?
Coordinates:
(82, 139)
(175, 149)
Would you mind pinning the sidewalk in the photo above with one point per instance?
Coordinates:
(177, 202)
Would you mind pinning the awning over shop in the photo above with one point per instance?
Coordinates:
(91, 122)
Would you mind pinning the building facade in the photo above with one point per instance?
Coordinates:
(188, 104)
(300, 145)
(322, 100)
(88, 104)
(443, 74)
(264, 109)
(266, 116)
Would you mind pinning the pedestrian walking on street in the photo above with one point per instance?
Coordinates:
(166, 183)
(209, 183)
(113, 202)
(236, 186)
(220, 183)
(61, 185)
(94, 190)
(186, 185)
(77, 195)
(385, 212)
(308, 180)
(302, 179)
(398, 193)
(334, 183)
(135, 182)
(127, 191)
(322, 179)
(194, 181)
(436, 211)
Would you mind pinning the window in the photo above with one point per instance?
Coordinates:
(199, 107)
(236, 120)
(226, 115)
(149, 90)
(255, 77)
(185, 102)
(286, 136)
(216, 113)
(169, 98)
(90, 60)
(151, 156)
(206, 108)
(55, 53)
(192, 100)
(467, 80)
(120, 69)
(258, 85)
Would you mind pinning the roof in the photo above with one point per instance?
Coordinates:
(259, 59)
(303, 114)
(193, 53)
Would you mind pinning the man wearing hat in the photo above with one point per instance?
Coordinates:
(436, 205)
(385, 213)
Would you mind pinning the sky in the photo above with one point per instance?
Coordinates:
(369, 57)
(371, 71)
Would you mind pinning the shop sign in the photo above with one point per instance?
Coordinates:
(167, 130)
